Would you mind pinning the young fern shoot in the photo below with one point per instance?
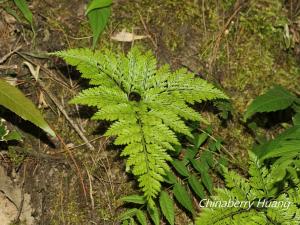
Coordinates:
(146, 104)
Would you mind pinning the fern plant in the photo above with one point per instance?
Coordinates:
(147, 104)
(268, 202)
(284, 150)
(182, 184)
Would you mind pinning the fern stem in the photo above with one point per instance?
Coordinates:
(138, 117)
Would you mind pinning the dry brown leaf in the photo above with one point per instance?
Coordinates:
(42, 102)
(34, 72)
(125, 36)
(11, 199)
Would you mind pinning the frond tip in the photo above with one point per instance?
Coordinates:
(147, 105)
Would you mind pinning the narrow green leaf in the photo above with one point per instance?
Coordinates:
(183, 197)
(13, 99)
(196, 186)
(128, 214)
(275, 99)
(207, 181)
(207, 156)
(200, 139)
(141, 217)
(23, 7)
(190, 153)
(167, 207)
(138, 199)
(154, 215)
(98, 19)
(96, 4)
(180, 168)
(170, 177)
(199, 165)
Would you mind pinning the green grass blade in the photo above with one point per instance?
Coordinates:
(13, 99)
(23, 7)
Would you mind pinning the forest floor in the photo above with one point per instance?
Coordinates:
(244, 48)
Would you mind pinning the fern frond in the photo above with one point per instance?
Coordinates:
(280, 209)
(146, 104)
(261, 179)
(229, 215)
(284, 215)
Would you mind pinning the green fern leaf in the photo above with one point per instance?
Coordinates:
(258, 187)
(146, 104)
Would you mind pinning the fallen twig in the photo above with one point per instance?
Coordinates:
(62, 110)
(221, 33)
(5, 57)
(8, 67)
(148, 33)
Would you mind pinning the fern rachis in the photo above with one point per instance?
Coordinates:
(147, 106)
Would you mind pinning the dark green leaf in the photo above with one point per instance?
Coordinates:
(196, 186)
(167, 207)
(141, 217)
(180, 168)
(199, 165)
(98, 19)
(170, 177)
(154, 215)
(138, 199)
(207, 156)
(199, 140)
(275, 99)
(190, 153)
(183, 197)
(23, 7)
(207, 181)
(96, 4)
(14, 100)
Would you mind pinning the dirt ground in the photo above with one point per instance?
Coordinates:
(236, 45)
